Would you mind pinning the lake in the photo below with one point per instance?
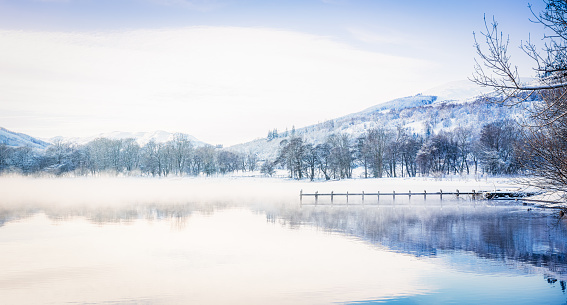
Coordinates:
(393, 251)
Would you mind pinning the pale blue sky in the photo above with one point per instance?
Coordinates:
(204, 57)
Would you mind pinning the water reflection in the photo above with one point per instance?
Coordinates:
(533, 240)
(229, 256)
(177, 214)
(280, 249)
(505, 232)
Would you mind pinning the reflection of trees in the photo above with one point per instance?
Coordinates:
(177, 214)
(533, 241)
(521, 239)
(7, 214)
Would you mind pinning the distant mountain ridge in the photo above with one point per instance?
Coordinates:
(402, 103)
(142, 138)
(15, 139)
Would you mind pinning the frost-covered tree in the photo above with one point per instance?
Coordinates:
(342, 155)
(267, 168)
(227, 161)
(375, 149)
(251, 162)
(130, 155)
(62, 157)
(205, 160)
(149, 160)
(5, 155)
(545, 100)
(291, 155)
(323, 152)
(499, 141)
(25, 159)
(409, 146)
(182, 152)
(310, 160)
(464, 139)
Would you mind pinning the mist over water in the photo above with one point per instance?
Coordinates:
(210, 241)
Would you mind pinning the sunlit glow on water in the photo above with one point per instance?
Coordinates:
(179, 254)
(233, 255)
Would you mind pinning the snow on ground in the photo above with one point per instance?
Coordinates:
(111, 191)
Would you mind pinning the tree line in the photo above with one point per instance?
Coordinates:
(176, 157)
(383, 152)
(379, 152)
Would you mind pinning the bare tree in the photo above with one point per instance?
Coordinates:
(267, 168)
(545, 100)
(291, 155)
(324, 159)
(182, 152)
(310, 160)
(130, 154)
(376, 142)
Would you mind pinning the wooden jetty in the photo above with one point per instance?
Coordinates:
(510, 195)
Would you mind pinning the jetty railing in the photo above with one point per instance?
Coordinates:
(379, 194)
(474, 194)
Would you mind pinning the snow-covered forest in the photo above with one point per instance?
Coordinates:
(178, 156)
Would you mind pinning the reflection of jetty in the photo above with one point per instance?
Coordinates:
(474, 195)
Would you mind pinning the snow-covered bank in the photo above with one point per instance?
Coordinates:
(230, 190)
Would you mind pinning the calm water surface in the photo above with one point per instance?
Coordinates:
(434, 252)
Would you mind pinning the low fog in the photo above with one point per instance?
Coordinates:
(114, 191)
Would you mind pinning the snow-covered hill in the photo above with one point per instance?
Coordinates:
(401, 103)
(15, 139)
(457, 104)
(142, 138)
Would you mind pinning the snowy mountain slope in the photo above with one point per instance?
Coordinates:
(401, 103)
(15, 139)
(142, 138)
(458, 106)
